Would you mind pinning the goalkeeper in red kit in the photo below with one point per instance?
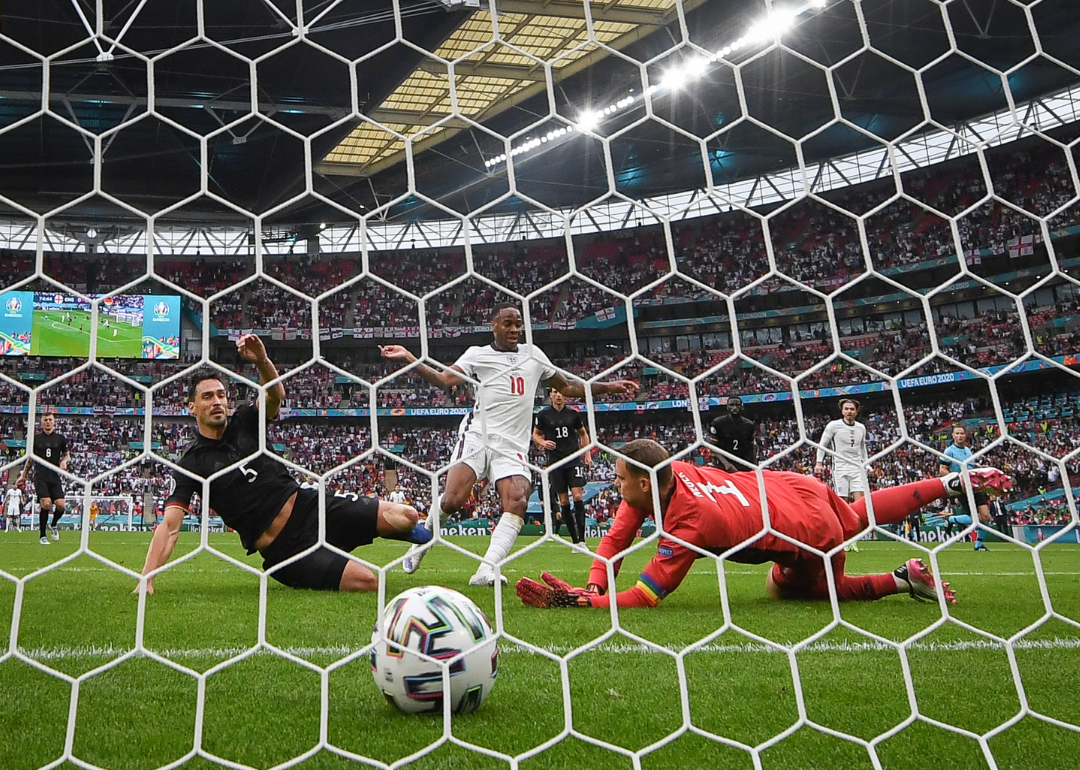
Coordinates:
(718, 512)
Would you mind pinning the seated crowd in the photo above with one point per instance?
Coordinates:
(107, 451)
(816, 242)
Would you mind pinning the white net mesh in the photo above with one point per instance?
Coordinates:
(888, 247)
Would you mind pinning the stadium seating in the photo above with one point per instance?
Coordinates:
(813, 242)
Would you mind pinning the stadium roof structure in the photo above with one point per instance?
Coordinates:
(491, 77)
(353, 90)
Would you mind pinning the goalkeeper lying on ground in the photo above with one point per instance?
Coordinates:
(714, 510)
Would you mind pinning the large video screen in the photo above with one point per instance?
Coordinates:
(34, 323)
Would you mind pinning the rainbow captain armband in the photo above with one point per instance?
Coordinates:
(653, 592)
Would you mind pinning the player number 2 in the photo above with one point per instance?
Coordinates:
(517, 385)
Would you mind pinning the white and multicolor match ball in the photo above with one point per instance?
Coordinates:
(424, 631)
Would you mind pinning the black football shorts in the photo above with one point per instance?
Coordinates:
(351, 521)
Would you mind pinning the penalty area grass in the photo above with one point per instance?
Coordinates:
(263, 710)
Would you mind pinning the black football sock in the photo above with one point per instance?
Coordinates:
(567, 519)
(579, 518)
(43, 520)
(571, 523)
(57, 513)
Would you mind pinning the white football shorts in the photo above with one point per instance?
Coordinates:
(485, 461)
(847, 481)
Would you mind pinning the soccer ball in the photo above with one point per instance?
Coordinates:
(441, 624)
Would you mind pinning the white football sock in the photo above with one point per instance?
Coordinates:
(434, 514)
(502, 539)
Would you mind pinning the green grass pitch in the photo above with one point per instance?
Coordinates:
(51, 335)
(265, 710)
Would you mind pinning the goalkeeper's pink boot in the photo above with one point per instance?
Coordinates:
(923, 586)
(989, 481)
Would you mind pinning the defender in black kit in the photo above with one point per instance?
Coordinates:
(261, 500)
(734, 433)
(560, 431)
(51, 451)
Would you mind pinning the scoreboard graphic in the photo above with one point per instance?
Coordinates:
(60, 324)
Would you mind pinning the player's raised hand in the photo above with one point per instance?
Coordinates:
(539, 595)
(622, 387)
(251, 348)
(397, 352)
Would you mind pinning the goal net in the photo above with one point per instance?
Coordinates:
(793, 203)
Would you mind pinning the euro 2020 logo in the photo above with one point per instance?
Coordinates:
(161, 310)
(14, 305)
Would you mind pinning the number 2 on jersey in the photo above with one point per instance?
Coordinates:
(517, 385)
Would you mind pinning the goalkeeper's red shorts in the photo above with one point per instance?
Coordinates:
(806, 578)
(828, 521)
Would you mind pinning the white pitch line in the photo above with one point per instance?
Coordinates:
(109, 651)
(1009, 574)
(454, 571)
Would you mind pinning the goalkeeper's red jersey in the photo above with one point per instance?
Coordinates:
(715, 511)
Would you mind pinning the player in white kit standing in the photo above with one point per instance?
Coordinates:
(13, 508)
(846, 438)
(493, 439)
(397, 496)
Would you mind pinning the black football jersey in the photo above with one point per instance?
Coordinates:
(247, 498)
(560, 426)
(50, 448)
(734, 436)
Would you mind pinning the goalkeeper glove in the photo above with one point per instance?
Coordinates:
(557, 593)
(561, 585)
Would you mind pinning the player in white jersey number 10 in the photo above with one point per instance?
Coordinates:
(493, 439)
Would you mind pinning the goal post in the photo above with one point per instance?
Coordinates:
(114, 513)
